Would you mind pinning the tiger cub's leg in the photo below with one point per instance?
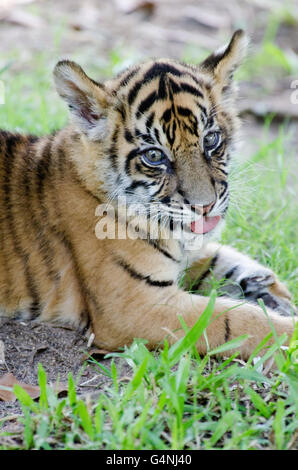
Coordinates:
(241, 276)
(152, 312)
(129, 297)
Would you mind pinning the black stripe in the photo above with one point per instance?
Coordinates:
(152, 170)
(223, 171)
(34, 309)
(160, 188)
(230, 273)
(113, 150)
(227, 195)
(184, 111)
(128, 136)
(125, 80)
(156, 70)
(145, 137)
(171, 223)
(160, 68)
(61, 159)
(162, 89)
(137, 184)
(227, 329)
(210, 121)
(225, 188)
(161, 250)
(121, 110)
(157, 136)
(181, 192)
(152, 242)
(194, 77)
(167, 115)
(193, 122)
(45, 248)
(20, 252)
(139, 167)
(7, 145)
(188, 128)
(219, 151)
(134, 274)
(174, 88)
(131, 155)
(202, 108)
(190, 89)
(134, 91)
(149, 122)
(203, 276)
(166, 200)
(42, 168)
(171, 132)
(146, 104)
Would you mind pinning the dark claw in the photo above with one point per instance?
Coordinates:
(253, 284)
(281, 306)
(268, 300)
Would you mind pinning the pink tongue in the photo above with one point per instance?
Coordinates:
(205, 224)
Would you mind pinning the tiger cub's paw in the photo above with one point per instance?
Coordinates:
(264, 284)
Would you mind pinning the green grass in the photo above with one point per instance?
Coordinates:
(262, 220)
(175, 399)
(31, 102)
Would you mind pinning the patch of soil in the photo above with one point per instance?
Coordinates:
(59, 350)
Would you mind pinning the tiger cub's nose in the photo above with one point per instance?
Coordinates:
(203, 210)
(208, 208)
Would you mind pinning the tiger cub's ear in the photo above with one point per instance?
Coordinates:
(88, 100)
(223, 62)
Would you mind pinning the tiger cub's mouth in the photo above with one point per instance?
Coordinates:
(205, 224)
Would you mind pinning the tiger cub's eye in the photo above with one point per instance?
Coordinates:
(211, 140)
(154, 157)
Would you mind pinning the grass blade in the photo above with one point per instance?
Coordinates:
(86, 420)
(72, 396)
(278, 424)
(258, 402)
(223, 425)
(259, 347)
(24, 398)
(190, 339)
(233, 344)
(42, 380)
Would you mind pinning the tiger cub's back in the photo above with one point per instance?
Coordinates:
(36, 270)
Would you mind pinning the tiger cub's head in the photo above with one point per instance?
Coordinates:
(159, 134)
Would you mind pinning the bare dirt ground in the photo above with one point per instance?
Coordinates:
(89, 31)
(59, 350)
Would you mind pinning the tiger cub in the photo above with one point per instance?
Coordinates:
(160, 135)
